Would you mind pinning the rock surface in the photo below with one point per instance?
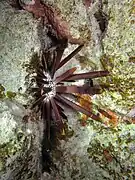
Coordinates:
(94, 151)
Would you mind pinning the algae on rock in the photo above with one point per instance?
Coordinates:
(118, 48)
(107, 148)
(18, 40)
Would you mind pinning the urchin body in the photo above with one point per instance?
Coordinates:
(51, 91)
(49, 87)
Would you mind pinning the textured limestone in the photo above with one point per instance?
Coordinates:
(84, 154)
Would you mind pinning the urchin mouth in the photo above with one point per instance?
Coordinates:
(49, 87)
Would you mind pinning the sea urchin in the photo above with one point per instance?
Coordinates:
(51, 91)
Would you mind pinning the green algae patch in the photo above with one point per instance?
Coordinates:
(113, 150)
(6, 94)
(9, 149)
(2, 92)
(10, 94)
(121, 84)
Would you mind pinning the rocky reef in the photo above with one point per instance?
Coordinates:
(86, 149)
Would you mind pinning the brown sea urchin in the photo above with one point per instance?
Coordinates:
(51, 93)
